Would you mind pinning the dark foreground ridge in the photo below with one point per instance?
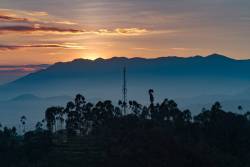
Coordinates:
(86, 135)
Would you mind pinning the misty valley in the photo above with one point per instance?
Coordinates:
(104, 113)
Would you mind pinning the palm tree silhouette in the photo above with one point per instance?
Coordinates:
(151, 91)
(23, 123)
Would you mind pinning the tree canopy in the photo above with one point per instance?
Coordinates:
(86, 134)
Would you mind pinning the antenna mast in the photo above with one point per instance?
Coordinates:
(124, 90)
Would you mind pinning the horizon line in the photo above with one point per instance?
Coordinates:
(125, 57)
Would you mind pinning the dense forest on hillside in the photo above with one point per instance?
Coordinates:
(103, 134)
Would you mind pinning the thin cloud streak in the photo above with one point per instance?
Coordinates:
(23, 12)
(17, 71)
(185, 49)
(57, 30)
(38, 28)
(65, 46)
(31, 17)
(13, 19)
(9, 18)
(122, 32)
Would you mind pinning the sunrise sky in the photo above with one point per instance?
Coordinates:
(48, 31)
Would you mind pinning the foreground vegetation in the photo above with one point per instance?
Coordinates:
(83, 134)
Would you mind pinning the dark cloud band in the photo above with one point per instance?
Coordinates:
(27, 29)
(13, 19)
(14, 47)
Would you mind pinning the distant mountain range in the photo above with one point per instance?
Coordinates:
(12, 72)
(170, 76)
(192, 80)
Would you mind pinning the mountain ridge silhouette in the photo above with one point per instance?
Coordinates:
(83, 74)
(188, 80)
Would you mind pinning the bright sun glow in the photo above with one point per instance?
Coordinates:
(91, 56)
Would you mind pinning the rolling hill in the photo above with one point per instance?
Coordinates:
(192, 80)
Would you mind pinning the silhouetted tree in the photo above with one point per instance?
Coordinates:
(135, 107)
(240, 108)
(39, 126)
(152, 109)
(50, 118)
(151, 96)
(23, 120)
(160, 134)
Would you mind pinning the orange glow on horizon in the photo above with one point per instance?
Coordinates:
(47, 37)
(91, 56)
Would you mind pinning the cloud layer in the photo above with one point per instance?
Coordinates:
(134, 28)
(13, 19)
(65, 45)
(38, 28)
(58, 30)
(34, 22)
(9, 73)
